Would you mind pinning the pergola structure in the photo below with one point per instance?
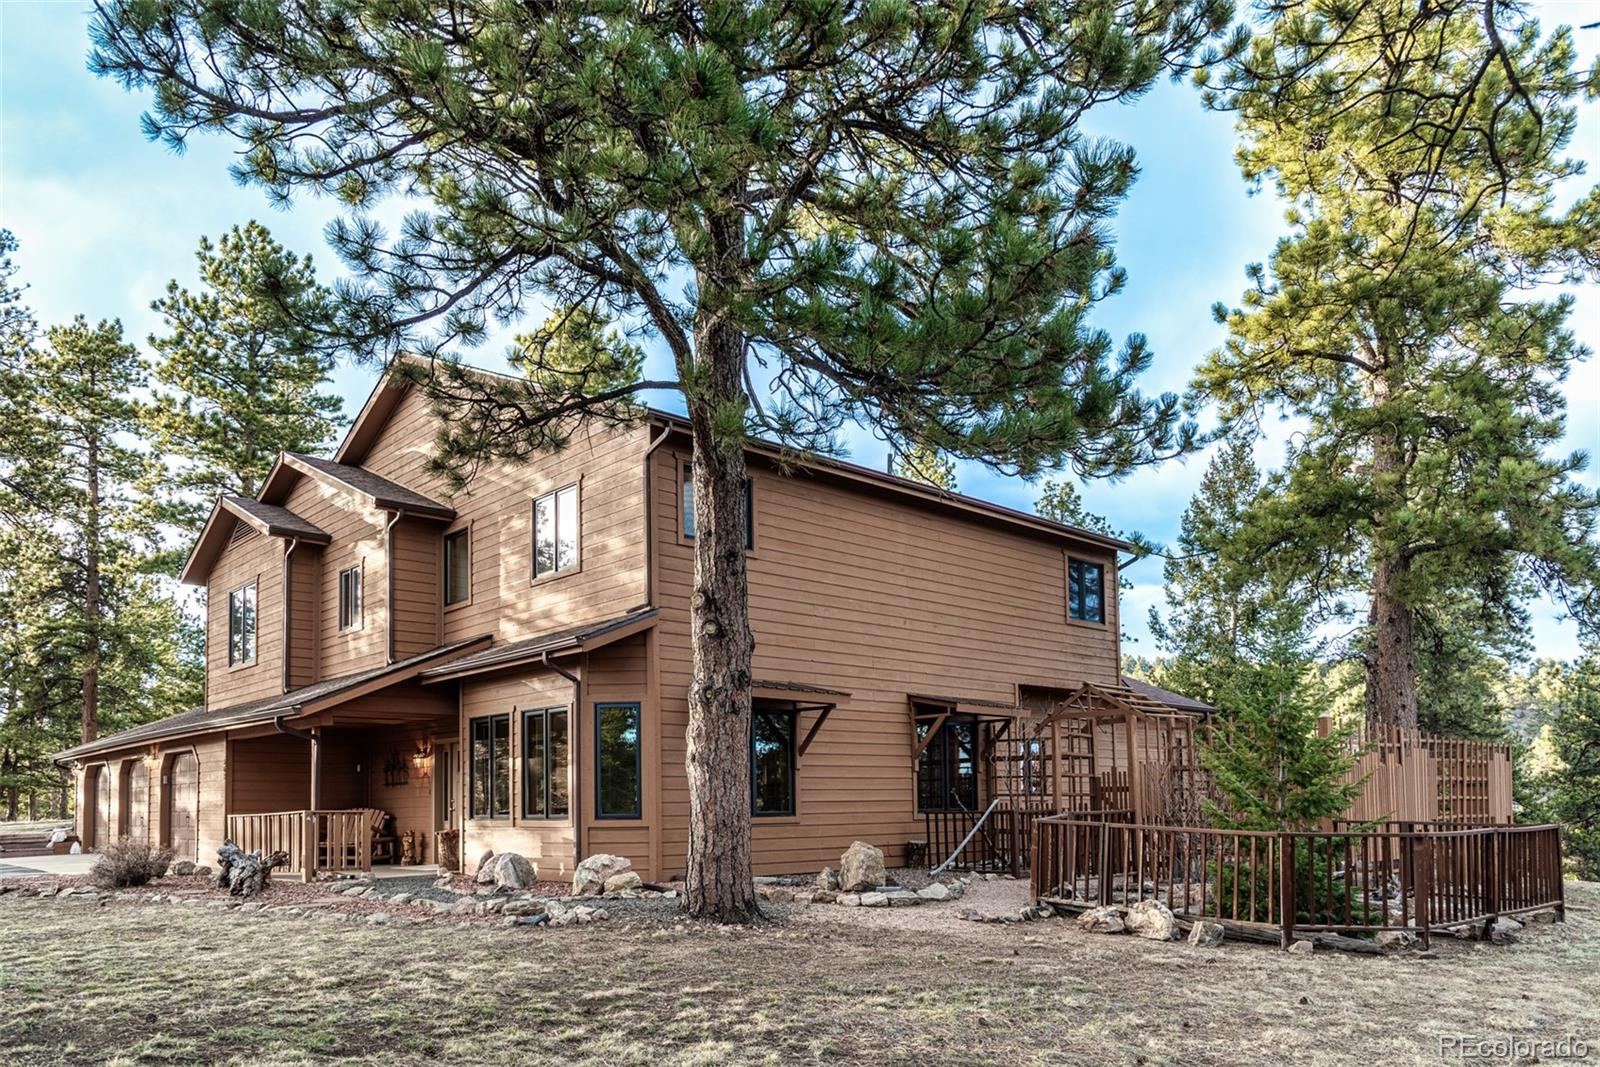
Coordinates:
(1109, 750)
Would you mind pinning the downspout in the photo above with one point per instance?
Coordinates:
(574, 733)
(388, 584)
(649, 515)
(288, 606)
(316, 757)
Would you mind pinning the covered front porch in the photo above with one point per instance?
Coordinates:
(362, 786)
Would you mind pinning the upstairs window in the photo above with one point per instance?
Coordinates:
(771, 762)
(555, 532)
(489, 784)
(688, 508)
(1086, 584)
(242, 625)
(617, 761)
(544, 763)
(350, 598)
(457, 567)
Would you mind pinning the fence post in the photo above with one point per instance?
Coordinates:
(1424, 883)
(308, 847)
(1105, 862)
(1286, 904)
(1491, 880)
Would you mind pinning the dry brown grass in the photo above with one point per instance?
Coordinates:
(134, 983)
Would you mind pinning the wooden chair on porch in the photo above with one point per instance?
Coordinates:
(385, 842)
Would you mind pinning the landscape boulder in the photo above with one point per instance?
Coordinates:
(861, 868)
(590, 877)
(1102, 920)
(1206, 934)
(936, 891)
(485, 872)
(514, 872)
(1303, 947)
(183, 868)
(1152, 919)
(1394, 940)
(827, 879)
(625, 882)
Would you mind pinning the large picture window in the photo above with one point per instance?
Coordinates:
(555, 532)
(1086, 587)
(242, 625)
(617, 761)
(688, 508)
(947, 771)
(544, 763)
(457, 567)
(489, 772)
(771, 762)
(350, 598)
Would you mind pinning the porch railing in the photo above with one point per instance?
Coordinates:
(1001, 839)
(1334, 882)
(313, 840)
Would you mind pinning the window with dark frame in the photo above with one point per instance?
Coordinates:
(688, 508)
(947, 770)
(617, 765)
(489, 768)
(1086, 586)
(772, 762)
(350, 598)
(457, 566)
(555, 532)
(544, 764)
(242, 625)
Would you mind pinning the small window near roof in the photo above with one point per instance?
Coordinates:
(242, 625)
(688, 508)
(555, 532)
(350, 598)
(457, 566)
(1086, 591)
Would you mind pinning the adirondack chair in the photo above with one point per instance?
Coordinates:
(385, 842)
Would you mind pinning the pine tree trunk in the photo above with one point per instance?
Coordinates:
(718, 886)
(1391, 696)
(90, 726)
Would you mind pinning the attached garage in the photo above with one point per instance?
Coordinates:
(183, 806)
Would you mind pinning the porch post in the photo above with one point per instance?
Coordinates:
(316, 769)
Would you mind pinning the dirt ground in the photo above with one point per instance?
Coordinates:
(134, 983)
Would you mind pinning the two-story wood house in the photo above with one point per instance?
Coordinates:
(511, 662)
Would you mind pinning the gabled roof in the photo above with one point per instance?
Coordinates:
(269, 519)
(392, 386)
(303, 701)
(559, 642)
(378, 491)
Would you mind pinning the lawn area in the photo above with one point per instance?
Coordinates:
(130, 983)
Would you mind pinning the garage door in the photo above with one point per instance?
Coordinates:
(102, 808)
(136, 800)
(183, 807)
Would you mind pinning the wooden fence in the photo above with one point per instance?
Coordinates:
(1394, 878)
(1421, 778)
(1003, 842)
(314, 840)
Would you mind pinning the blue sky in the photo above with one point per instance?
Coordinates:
(105, 218)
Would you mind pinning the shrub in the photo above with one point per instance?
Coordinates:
(128, 863)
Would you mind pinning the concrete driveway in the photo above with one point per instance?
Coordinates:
(32, 866)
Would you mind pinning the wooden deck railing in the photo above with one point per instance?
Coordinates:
(314, 840)
(1344, 882)
(1003, 842)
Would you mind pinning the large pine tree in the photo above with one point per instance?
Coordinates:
(1417, 147)
(877, 211)
(242, 370)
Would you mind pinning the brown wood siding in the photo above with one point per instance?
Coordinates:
(418, 593)
(305, 577)
(857, 591)
(506, 601)
(259, 559)
(550, 843)
(619, 674)
(357, 533)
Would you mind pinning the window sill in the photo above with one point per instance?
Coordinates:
(555, 576)
(774, 820)
(1087, 624)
